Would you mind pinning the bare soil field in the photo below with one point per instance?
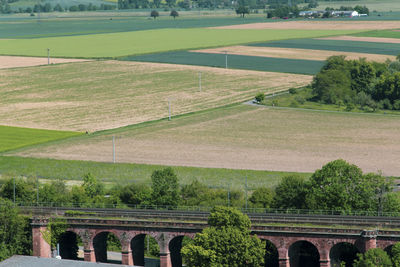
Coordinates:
(7, 62)
(319, 25)
(247, 137)
(363, 39)
(98, 95)
(293, 53)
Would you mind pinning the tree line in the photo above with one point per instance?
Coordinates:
(337, 186)
(369, 85)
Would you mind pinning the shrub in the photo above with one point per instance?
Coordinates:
(293, 91)
(300, 99)
(260, 97)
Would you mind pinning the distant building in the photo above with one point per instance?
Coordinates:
(340, 13)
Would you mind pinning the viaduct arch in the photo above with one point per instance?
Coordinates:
(295, 246)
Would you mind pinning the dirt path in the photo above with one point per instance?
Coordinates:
(7, 62)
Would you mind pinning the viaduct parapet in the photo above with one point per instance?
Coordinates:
(168, 234)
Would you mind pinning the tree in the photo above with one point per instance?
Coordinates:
(242, 10)
(154, 14)
(375, 257)
(395, 254)
(165, 188)
(291, 193)
(260, 97)
(91, 186)
(15, 231)
(24, 190)
(343, 187)
(262, 197)
(226, 242)
(135, 194)
(174, 14)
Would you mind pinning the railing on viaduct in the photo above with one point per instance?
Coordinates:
(169, 227)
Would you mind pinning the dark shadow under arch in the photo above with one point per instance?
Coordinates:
(303, 254)
(143, 244)
(175, 246)
(101, 244)
(343, 252)
(271, 254)
(69, 245)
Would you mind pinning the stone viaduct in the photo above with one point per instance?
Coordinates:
(291, 244)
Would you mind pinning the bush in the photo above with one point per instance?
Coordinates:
(300, 99)
(293, 91)
(174, 14)
(260, 97)
(154, 14)
(294, 104)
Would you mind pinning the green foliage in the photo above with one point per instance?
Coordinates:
(154, 14)
(54, 192)
(395, 255)
(91, 186)
(260, 97)
(228, 217)
(262, 197)
(135, 194)
(174, 14)
(242, 10)
(375, 257)
(24, 189)
(15, 231)
(55, 229)
(343, 187)
(291, 193)
(225, 243)
(165, 188)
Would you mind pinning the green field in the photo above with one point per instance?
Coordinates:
(151, 41)
(124, 173)
(285, 65)
(245, 137)
(336, 45)
(380, 34)
(15, 137)
(17, 27)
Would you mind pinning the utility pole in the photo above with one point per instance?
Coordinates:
(14, 191)
(200, 81)
(113, 143)
(245, 186)
(226, 59)
(48, 56)
(229, 195)
(37, 191)
(169, 109)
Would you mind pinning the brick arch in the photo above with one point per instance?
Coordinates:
(306, 244)
(100, 248)
(337, 254)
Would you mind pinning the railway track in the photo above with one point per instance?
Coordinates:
(199, 216)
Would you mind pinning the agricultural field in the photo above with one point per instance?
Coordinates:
(15, 137)
(125, 173)
(7, 62)
(245, 137)
(150, 41)
(337, 45)
(65, 24)
(258, 63)
(99, 95)
(291, 53)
